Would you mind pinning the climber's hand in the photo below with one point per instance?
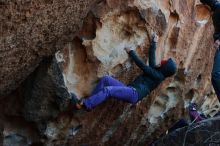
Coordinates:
(128, 50)
(217, 44)
(155, 37)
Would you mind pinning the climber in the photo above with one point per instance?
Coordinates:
(215, 7)
(143, 84)
(194, 115)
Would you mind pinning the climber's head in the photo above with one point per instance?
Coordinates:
(168, 67)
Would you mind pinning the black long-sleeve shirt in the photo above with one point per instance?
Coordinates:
(151, 76)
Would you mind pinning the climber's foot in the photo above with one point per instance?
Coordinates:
(77, 104)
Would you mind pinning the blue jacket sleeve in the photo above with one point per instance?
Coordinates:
(151, 72)
(152, 57)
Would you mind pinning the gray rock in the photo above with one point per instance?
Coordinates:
(45, 94)
(15, 140)
(205, 133)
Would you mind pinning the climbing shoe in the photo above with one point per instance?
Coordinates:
(75, 101)
(77, 104)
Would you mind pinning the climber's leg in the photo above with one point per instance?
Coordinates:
(128, 94)
(216, 20)
(194, 114)
(106, 81)
(216, 73)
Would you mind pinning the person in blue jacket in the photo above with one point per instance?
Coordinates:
(215, 7)
(142, 85)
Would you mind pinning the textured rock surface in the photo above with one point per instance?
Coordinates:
(185, 31)
(45, 94)
(45, 90)
(31, 30)
(200, 134)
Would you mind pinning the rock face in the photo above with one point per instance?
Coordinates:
(185, 30)
(31, 30)
(45, 92)
(202, 134)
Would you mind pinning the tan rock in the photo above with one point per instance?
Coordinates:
(185, 31)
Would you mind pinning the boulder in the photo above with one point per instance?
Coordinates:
(199, 134)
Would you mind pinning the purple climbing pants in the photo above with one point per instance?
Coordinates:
(195, 116)
(110, 87)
